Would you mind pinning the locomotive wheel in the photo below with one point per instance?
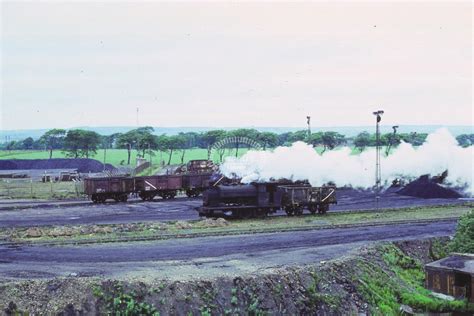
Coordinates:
(313, 209)
(289, 211)
(171, 195)
(124, 198)
(94, 198)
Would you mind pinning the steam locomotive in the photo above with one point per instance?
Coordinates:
(260, 199)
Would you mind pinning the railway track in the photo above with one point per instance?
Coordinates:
(227, 232)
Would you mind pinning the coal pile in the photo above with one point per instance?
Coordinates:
(83, 165)
(428, 188)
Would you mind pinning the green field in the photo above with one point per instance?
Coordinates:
(118, 157)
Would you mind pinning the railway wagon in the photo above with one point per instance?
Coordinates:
(195, 184)
(296, 198)
(261, 199)
(101, 189)
(165, 186)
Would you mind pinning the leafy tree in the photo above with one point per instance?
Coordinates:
(464, 238)
(242, 132)
(316, 139)
(331, 140)
(181, 143)
(108, 141)
(283, 139)
(170, 144)
(362, 140)
(209, 138)
(298, 136)
(53, 139)
(10, 145)
(81, 143)
(127, 140)
(28, 143)
(267, 139)
(465, 140)
(416, 139)
(192, 139)
(146, 142)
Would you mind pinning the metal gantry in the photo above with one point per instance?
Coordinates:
(378, 169)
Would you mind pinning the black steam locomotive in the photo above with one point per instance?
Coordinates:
(260, 199)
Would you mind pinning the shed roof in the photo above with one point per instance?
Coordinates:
(459, 262)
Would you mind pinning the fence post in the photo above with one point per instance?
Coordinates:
(75, 188)
(31, 187)
(51, 182)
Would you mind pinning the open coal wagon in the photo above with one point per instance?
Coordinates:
(296, 198)
(101, 189)
(195, 184)
(165, 186)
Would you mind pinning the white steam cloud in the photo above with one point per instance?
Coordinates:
(301, 162)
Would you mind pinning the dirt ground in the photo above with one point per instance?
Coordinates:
(328, 282)
(201, 256)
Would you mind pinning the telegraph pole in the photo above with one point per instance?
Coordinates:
(137, 115)
(308, 121)
(378, 170)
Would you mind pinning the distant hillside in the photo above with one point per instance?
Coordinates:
(346, 130)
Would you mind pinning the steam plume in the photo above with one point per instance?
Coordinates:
(300, 162)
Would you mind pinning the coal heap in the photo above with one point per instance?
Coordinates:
(428, 188)
(83, 165)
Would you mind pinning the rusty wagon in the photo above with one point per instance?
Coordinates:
(101, 189)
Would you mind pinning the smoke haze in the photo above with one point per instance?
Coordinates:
(300, 162)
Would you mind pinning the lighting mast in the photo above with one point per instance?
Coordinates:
(378, 170)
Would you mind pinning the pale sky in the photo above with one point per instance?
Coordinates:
(67, 64)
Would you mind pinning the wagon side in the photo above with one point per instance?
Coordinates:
(195, 184)
(316, 199)
(165, 186)
(101, 189)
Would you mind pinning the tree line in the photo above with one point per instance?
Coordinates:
(78, 143)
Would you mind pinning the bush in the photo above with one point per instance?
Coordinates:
(464, 238)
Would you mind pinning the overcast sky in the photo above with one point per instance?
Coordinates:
(68, 64)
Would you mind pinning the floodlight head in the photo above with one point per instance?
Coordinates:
(379, 112)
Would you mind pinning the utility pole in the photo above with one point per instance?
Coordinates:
(137, 115)
(392, 138)
(105, 155)
(149, 153)
(308, 121)
(378, 170)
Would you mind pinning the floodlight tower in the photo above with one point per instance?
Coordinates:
(378, 170)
